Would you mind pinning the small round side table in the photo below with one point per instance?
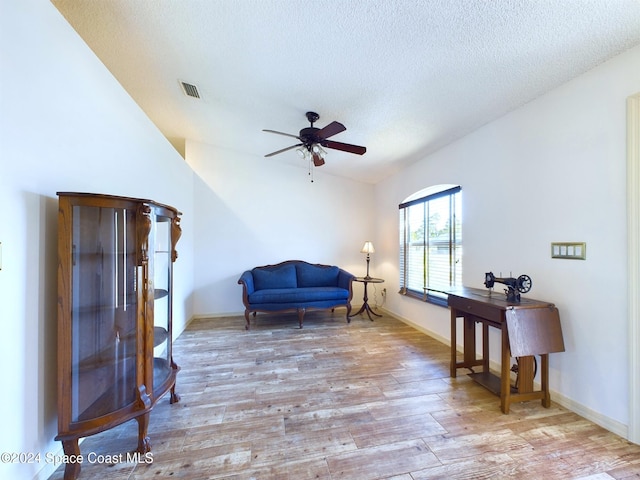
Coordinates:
(365, 306)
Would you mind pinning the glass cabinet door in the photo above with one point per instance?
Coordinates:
(103, 311)
(162, 271)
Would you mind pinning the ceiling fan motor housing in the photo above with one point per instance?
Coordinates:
(308, 136)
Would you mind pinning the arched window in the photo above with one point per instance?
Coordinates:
(431, 243)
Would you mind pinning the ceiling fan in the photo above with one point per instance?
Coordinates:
(312, 139)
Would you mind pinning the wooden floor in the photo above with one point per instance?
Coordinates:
(366, 400)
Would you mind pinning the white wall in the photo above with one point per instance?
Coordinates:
(65, 125)
(252, 212)
(553, 170)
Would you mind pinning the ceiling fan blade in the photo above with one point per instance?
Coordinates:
(283, 150)
(318, 161)
(330, 130)
(345, 147)
(281, 133)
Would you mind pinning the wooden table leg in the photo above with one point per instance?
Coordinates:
(469, 353)
(525, 374)
(485, 347)
(453, 366)
(505, 375)
(544, 378)
(469, 341)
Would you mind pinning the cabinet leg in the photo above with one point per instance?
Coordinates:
(72, 451)
(144, 443)
(173, 396)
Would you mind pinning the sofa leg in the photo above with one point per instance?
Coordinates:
(246, 317)
(301, 315)
(348, 312)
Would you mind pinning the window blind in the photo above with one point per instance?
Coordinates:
(431, 245)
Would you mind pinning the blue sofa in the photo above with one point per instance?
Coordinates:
(295, 286)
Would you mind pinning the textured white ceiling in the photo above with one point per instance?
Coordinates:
(405, 77)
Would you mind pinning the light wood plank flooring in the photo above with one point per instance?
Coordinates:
(366, 400)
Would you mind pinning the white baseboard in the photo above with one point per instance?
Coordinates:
(207, 315)
(49, 468)
(605, 422)
(419, 327)
(602, 420)
(215, 315)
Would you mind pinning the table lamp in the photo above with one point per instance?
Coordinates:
(368, 249)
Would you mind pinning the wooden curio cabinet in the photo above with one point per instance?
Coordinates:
(115, 278)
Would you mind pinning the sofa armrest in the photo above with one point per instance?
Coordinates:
(246, 280)
(345, 280)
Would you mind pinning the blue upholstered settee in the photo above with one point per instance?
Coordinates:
(297, 286)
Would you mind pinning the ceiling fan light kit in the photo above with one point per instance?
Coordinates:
(313, 139)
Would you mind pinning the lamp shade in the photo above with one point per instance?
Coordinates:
(368, 248)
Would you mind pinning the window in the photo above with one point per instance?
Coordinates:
(431, 243)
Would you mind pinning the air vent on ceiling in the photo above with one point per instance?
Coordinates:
(190, 90)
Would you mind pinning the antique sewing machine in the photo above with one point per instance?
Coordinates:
(515, 286)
